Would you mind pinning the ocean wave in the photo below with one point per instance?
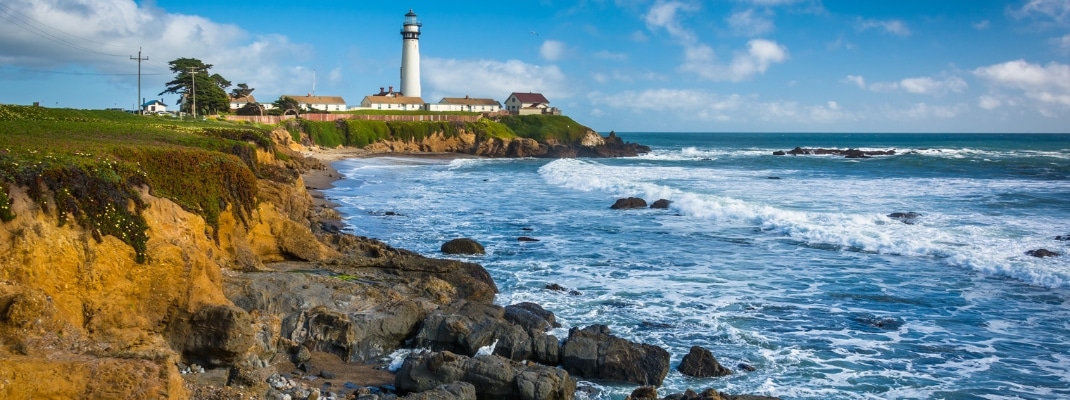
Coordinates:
(986, 249)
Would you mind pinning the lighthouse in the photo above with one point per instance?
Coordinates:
(410, 56)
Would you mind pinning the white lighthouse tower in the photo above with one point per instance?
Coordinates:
(410, 56)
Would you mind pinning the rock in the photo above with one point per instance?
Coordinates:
(326, 374)
(773, 177)
(779, 153)
(301, 355)
(701, 363)
(555, 287)
(463, 246)
(1041, 253)
(661, 203)
(216, 335)
(450, 391)
(854, 153)
(850, 153)
(492, 376)
(908, 218)
(746, 367)
(465, 327)
(593, 353)
(627, 203)
(644, 393)
(530, 316)
(526, 239)
(1062, 237)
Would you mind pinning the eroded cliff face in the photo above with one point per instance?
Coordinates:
(591, 145)
(81, 319)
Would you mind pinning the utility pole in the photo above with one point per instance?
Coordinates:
(193, 91)
(139, 60)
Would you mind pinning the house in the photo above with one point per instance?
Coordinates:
(468, 104)
(239, 102)
(392, 102)
(153, 107)
(529, 103)
(323, 103)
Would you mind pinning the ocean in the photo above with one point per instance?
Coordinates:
(789, 264)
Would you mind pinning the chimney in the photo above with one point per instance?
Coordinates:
(391, 89)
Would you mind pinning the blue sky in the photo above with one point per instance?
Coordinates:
(626, 65)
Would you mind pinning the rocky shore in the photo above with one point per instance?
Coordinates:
(279, 305)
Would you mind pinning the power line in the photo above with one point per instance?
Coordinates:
(38, 71)
(139, 60)
(20, 19)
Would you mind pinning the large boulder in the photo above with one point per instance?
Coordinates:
(450, 391)
(699, 362)
(493, 377)
(661, 203)
(530, 316)
(630, 202)
(216, 335)
(1041, 253)
(466, 327)
(594, 353)
(463, 246)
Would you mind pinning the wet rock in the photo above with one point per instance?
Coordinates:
(1041, 253)
(492, 376)
(701, 363)
(466, 327)
(450, 391)
(555, 287)
(628, 203)
(526, 239)
(530, 316)
(849, 153)
(779, 153)
(885, 323)
(746, 367)
(661, 203)
(908, 218)
(1062, 237)
(644, 393)
(463, 246)
(592, 352)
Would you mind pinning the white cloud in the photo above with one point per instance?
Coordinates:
(609, 55)
(856, 80)
(981, 25)
(920, 85)
(700, 105)
(494, 79)
(928, 111)
(1062, 43)
(933, 87)
(749, 23)
(639, 37)
(664, 14)
(892, 26)
(989, 102)
(1056, 10)
(1048, 84)
(760, 54)
(552, 50)
(101, 36)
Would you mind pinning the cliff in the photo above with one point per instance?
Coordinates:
(129, 249)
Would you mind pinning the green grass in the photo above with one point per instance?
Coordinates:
(399, 112)
(545, 127)
(86, 165)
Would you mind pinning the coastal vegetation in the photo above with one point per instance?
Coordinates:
(87, 166)
(360, 133)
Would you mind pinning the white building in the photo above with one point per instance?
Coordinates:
(529, 103)
(469, 104)
(322, 103)
(153, 107)
(239, 102)
(410, 56)
(392, 102)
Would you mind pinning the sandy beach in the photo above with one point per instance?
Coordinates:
(318, 180)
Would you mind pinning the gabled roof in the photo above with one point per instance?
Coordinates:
(151, 102)
(246, 99)
(530, 97)
(317, 99)
(469, 101)
(394, 100)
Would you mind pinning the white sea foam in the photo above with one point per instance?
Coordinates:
(985, 249)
